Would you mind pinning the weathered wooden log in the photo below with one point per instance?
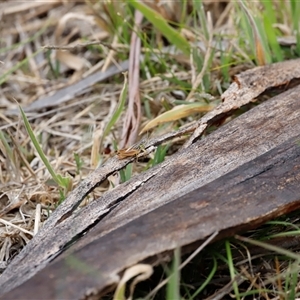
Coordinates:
(178, 192)
(257, 191)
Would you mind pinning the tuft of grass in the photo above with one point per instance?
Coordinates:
(162, 25)
(160, 154)
(269, 19)
(126, 173)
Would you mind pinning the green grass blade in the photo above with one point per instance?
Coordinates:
(79, 163)
(231, 269)
(126, 173)
(293, 286)
(269, 19)
(270, 247)
(263, 39)
(61, 181)
(174, 280)
(202, 17)
(295, 6)
(8, 149)
(162, 25)
(117, 113)
(208, 279)
(159, 155)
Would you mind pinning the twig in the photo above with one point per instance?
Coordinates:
(80, 45)
(226, 289)
(15, 226)
(37, 218)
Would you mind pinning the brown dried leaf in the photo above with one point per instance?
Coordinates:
(62, 25)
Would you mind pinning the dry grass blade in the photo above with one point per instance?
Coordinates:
(17, 8)
(139, 272)
(176, 113)
(225, 290)
(15, 226)
(79, 46)
(133, 115)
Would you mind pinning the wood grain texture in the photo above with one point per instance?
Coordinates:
(242, 140)
(257, 191)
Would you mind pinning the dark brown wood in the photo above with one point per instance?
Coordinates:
(244, 198)
(242, 140)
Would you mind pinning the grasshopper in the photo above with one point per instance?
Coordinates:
(132, 151)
